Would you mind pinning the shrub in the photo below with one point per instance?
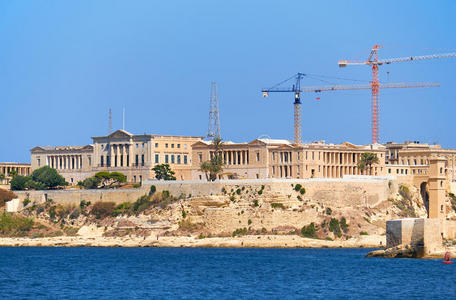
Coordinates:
(184, 214)
(297, 187)
(302, 191)
(255, 203)
(238, 191)
(363, 233)
(103, 209)
(14, 225)
(123, 208)
(90, 183)
(404, 192)
(249, 222)
(137, 185)
(165, 193)
(152, 190)
(75, 214)
(52, 213)
(83, 204)
(18, 183)
(343, 224)
(260, 192)
(277, 205)
(142, 204)
(309, 231)
(6, 196)
(232, 198)
(26, 202)
(334, 227)
(223, 190)
(328, 211)
(239, 232)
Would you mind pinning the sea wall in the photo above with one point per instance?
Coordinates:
(338, 192)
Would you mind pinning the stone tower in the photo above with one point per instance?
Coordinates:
(437, 178)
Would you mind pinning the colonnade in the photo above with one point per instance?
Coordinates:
(23, 171)
(64, 162)
(236, 157)
(118, 156)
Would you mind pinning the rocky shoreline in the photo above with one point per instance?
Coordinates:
(250, 241)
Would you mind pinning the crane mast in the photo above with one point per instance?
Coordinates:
(296, 89)
(374, 62)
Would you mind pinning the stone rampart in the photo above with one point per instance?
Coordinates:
(338, 192)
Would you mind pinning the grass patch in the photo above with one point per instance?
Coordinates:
(363, 233)
(309, 231)
(12, 225)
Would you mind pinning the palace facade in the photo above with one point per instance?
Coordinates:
(121, 151)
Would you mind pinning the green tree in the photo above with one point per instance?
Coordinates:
(214, 166)
(12, 173)
(106, 179)
(48, 177)
(367, 160)
(19, 182)
(163, 171)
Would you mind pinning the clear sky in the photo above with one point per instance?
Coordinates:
(63, 64)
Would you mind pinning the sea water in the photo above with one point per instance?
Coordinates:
(210, 273)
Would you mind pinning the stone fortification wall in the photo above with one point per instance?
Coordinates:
(76, 196)
(337, 192)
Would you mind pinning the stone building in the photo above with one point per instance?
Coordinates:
(270, 158)
(121, 151)
(74, 163)
(8, 168)
(136, 155)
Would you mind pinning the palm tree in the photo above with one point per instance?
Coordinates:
(367, 160)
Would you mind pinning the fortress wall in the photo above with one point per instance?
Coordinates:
(338, 192)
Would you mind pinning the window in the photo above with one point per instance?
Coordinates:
(137, 145)
(89, 159)
(273, 170)
(166, 145)
(143, 145)
(142, 159)
(172, 158)
(166, 158)
(156, 158)
(185, 146)
(137, 160)
(102, 146)
(115, 161)
(200, 177)
(258, 157)
(178, 145)
(128, 160)
(108, 161)
(178, 159)
(101, 161)
(185, 159)
(389, 171)
(134, 178)
(39, 162)
(172, 145)
(156, 145)
(200, 155)
(121, 160)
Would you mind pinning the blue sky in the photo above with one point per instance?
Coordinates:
(63, 64)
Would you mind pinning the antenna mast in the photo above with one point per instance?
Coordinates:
(213, 130)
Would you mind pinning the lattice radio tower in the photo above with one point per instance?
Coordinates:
(213, 130)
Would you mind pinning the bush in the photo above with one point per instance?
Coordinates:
(152, 190)
(302, 191)
(18, 183)
(6, 196)
(343, 224)
(184, 214)
(103, 209)
(363, 233)
(328, 211)
(14, 225)
(232, 198)
(255, 203)
(121, 209)
(238, 191)
(83, 204)
(52, 213)
(277, 205)
(142, 204)
(26, 202)
(297, 187)
(249, 222)
(404, 192)
(239, 231)
(309, 231)
(165, 194)
(136, 185)
(334, 227)
(260, 192)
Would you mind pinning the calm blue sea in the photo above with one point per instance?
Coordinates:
(187, 273)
